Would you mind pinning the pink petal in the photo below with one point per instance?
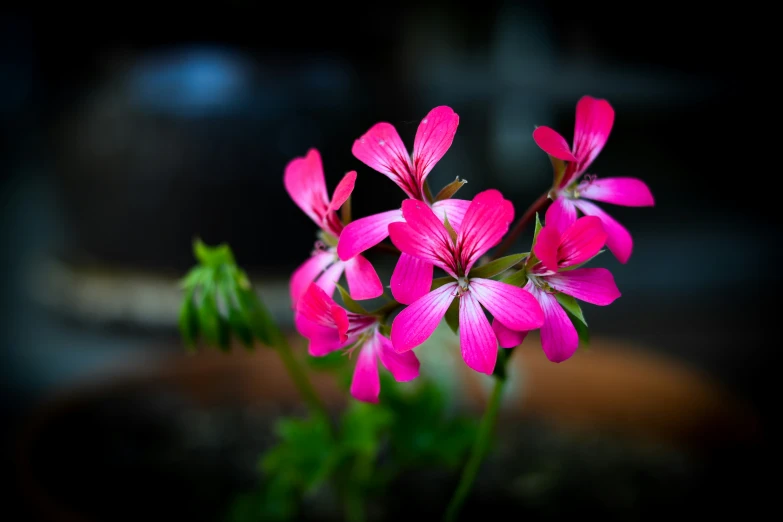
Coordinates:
(363, 281)
(618, 238)
(511, 305)
(433, 139)
(581, 241)
(476, 338)
(594, 120)
(559, 339)
(592, 285)
(382, 149)
(403, 366)
(546, 247)
(629, 192)
(415, 324)
(486, 222)
(507, 338)
(340, 317)
(561, 214)
(423, 235)
(366, 383)
(343, 191)
(328, 280)
(454, 209)
(411, 279)
(304, 182)
(553, 143)
(316, 305)
(323, 340)
(364, 233)
(306, 274)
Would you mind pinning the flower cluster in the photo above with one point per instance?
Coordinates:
(522, 292)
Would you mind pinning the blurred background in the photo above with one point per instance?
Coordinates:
(124, 140)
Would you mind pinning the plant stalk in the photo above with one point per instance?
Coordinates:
(538, 205)
(477, 452)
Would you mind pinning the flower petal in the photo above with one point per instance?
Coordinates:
(547, 244)
(507, 338)
(412, 278)
(364, 233)
(561, 214)
(403, 366)
(381, 149)
(363, 281)
(454, 209)
(511, 305)
(553, 143)
(581, 241)
(366, 383)
(340, 317)
(628, 192)
(592, 285)
(306, 274)
(476, 338)
(559, 339)
(618, 239)
(330, 277)
(433, 139)
(416, 323)
(316, 305)
(323, 340)
(486, 222)
(304, 182)
(594, 120)
(343, 191)
(424, 236)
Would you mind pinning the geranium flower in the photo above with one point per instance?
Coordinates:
(594, 120)
(305, 183)
(425, 237)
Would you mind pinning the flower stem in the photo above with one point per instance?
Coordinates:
(538, 205)
(477, 452)
(301, 380)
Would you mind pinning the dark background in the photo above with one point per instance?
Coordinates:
(123, 139)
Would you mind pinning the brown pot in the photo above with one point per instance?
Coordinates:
(613, 388)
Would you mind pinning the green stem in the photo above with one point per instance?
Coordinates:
(300, 378)
(477, 452)
(538, 205)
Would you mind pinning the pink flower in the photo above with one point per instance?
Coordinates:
(559, 248)
(382, 149)
(304, 181)
(594, 119)
(330, 327)
(424, 236)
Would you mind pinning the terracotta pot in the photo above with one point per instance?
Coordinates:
(614, 388)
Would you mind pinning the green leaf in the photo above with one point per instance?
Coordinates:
(450, 189)
(452, 315)
(571, 306)
(518, 278)
(239, 327)
(538, 229)
(213, 256)
(188, 320)
(440, 281)
(581, 330)
(361, 427)
(350, 304)
(497, 266)
(209, 320)
(558, 169)
(450, 229)
(258, 318)
(197, 275)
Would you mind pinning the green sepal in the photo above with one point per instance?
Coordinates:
(558, 170)
(349, 303)
(450, 229)
(497, 266)
(188, 320)
(518, 278)
(452, 315)
(571, 306)
(450, 189)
